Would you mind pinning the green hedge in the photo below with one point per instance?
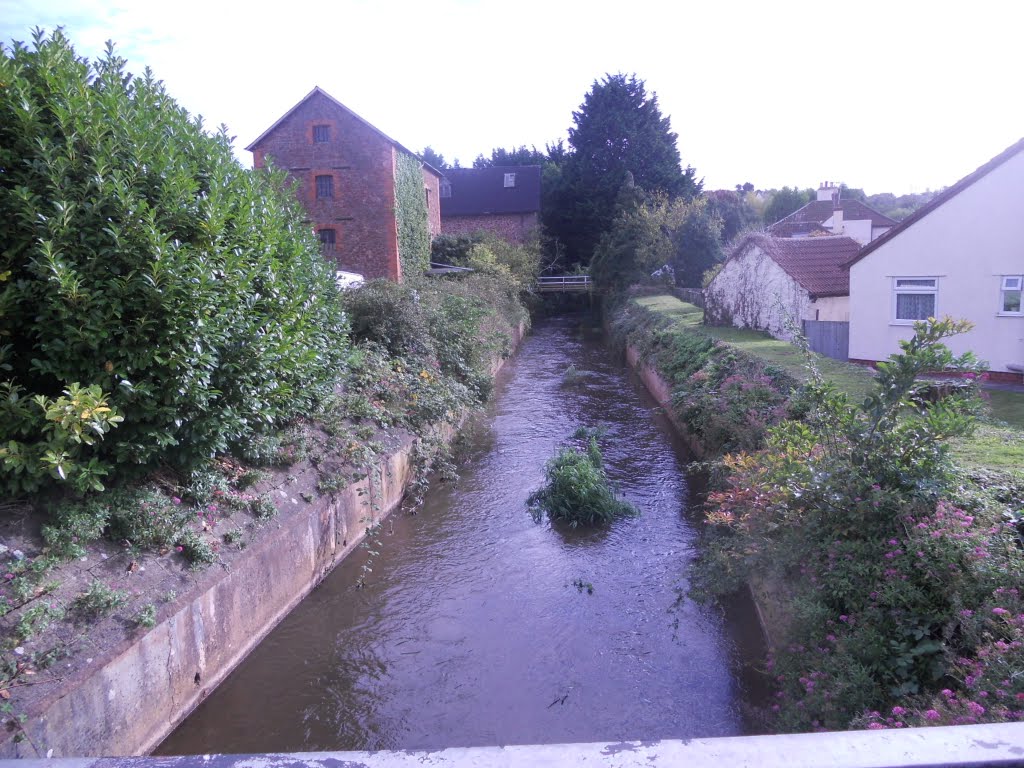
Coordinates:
(143, 263)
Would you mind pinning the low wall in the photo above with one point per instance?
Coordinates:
(137, 690)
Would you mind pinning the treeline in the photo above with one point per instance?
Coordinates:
(616, 199)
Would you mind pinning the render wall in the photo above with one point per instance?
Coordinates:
(967, 243)
(359, 160)
(752, 291)
(514, 227)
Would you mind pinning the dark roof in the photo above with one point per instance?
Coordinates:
(480, 191)
(811, 216)
(817, 264)
(940, 199)
(318, 90)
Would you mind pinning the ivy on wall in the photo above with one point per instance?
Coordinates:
(411, 215)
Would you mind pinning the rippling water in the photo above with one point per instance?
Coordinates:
(471, 630)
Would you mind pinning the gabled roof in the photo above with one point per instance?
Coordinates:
(318, 90)
(480, 191)
(815, 213)
(940, 199)
(817, 264)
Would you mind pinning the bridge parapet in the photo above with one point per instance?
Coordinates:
(564, 284)
(999, 744)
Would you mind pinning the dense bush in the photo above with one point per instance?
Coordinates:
(515, 264)
(577, 490)
(903, 576)
(143, 267)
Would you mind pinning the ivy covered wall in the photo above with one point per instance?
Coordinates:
(411, 215)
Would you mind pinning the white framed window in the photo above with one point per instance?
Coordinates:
(1010, 293)
(510, 180)
(914, 298)
(446, 188)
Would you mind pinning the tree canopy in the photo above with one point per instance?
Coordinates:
(617, 130)
(520, 155)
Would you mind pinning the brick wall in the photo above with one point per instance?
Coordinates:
(359, 162)
(514, 227)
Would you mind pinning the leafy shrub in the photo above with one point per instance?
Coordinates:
(99, 600)
(577, 490)
(889, 558)
(143, 265)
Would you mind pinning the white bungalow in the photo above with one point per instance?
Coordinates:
(960, 255)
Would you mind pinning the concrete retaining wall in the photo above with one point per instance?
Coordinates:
(136, 691)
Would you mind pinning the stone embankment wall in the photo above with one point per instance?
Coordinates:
(138, 688)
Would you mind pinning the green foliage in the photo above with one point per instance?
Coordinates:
(425, 348)
(697, 241)
(196, 549)
(146, 617)
(577, 490)
(148, 273)
(618, 131)
(727, 399)
(652, 231)
(98, 600)
(434, 158)
(784, 202)
(411, 215)
(36, 619)
(883, 553)
(520, 155)
(516, 265)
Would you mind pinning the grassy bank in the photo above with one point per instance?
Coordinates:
(896, 561)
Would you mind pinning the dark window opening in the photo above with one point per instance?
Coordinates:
(324, 187)
(321, 134)
(328, 238)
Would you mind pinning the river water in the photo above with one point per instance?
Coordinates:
(476, 626)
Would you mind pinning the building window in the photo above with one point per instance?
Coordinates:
(321, 134)
(328, 238)
(324, 187)
(914, 298)
(1010, 294)
(427, 190)
(510, 180)
(446, 188)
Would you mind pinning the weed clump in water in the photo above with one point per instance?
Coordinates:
(577, 490)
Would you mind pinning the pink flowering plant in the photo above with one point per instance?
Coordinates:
(902, 575)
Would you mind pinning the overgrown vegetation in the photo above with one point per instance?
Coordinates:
(903, 573)
(576, 490)
(725, 398)
(158, 302)
(411, 215)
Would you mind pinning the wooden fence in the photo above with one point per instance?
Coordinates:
(828, 337)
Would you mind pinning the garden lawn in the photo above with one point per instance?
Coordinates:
(993, 446)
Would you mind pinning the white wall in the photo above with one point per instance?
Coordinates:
(752, 291)
(858, 229)
(967, 243)
(835, 308)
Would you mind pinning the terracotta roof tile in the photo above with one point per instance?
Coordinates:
(811, 216)
(815, 263)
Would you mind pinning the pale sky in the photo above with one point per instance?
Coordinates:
(894, 96)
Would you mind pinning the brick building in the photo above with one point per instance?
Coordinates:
(345, 172)
(503, 200)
